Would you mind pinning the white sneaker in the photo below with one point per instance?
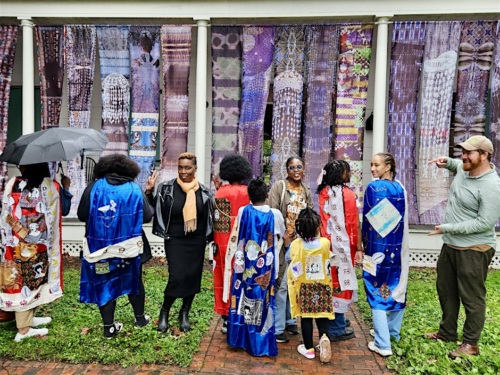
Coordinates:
(309, 354)
(376, 349)
(325, 349)
(32, 332)
(372, 332)
(39, 321)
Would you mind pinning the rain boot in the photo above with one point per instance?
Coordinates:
(163, 320)
(183, 319)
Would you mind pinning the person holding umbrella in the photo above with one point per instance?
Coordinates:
(31, 258)
(114, 208)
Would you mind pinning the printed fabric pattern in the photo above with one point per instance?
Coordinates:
(252, 308)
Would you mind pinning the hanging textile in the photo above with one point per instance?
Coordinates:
(258, 49)
(114, 59)
(50, 43)
(8, 41)
(145, 82)
(438, 76)
(80, 49)
(287, 97)
(321, 71)
(352, 90)
(226, 92)
(474, 63)
(406, 64)
(176, 55)
(495, 102)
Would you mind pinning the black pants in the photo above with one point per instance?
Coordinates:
(461, 276)
(307, 329)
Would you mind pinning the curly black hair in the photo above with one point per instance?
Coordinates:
(118, 164)
(307, 224)
(257, 190)
(334, 174)
(235, 168)
(35, 173)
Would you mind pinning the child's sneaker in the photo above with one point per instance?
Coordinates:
(224, 327)
(325, 349)
(142, 321)
(39, 321)
(32, 332)
(112, 330)
(308, 353)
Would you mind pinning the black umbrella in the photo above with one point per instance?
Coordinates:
(54, 144)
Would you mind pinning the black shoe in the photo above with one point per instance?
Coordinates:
(183, 320)
(292, 329)
(282, 337)
(347, 322)
(142, 321)
(349, 334)
(112, 330)
(163, 321)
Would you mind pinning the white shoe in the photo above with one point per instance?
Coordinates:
(376, 349)
(32, 332)
(372, 332)
(39, 321)
(325, 349)
(309, 354)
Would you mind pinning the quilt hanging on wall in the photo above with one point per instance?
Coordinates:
(145, 81)
(176, 55)
(352, 90)
(114, 58)
(80, 49)
(438, 76)
(258, 49)
(474, 65)
(406, 64)
(8, 41)
(226, 92)
(321, 74)
(288, 88)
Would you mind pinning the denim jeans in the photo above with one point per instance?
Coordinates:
(337, 326)
(283, 315)
(387, 324)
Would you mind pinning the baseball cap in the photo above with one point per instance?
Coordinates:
(477, 142)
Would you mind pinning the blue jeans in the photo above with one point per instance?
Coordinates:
(337, 326)
(283, 315)
(387, 324)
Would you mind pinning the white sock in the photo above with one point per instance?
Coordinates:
(39, 321)
(32, 332)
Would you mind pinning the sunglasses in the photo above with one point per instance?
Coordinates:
(297, 167)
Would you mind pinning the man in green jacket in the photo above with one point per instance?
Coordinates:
(469, 242)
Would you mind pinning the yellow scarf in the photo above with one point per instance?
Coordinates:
(189, 210)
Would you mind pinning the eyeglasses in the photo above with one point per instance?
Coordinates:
(297, 167)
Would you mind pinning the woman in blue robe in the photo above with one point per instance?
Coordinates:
(386, 258)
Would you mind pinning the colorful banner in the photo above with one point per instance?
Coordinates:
(495, 101)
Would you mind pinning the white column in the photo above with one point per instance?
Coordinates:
(380, 92)
(201, 100)
(28, 76)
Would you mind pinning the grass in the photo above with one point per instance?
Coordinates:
(76, 333)
(416, 355)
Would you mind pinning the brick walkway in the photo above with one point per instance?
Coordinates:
(350, 357)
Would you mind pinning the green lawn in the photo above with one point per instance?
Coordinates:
(76, 333)
(416, 355)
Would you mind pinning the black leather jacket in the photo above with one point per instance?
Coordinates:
(164, 198)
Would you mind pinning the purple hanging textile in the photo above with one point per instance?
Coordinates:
(145, 82)
(495, 102)
(438, 76)
(114, 59)
(287, 97)
(8, 40)
(474, 63)
(321, 70)
(258, 48)
(50, 43)
(226, 91)
(406, 63)
(352, 90)
(176, 55)
(80, 48)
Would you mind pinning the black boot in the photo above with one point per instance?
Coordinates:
(183, 319)
(163, 320)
